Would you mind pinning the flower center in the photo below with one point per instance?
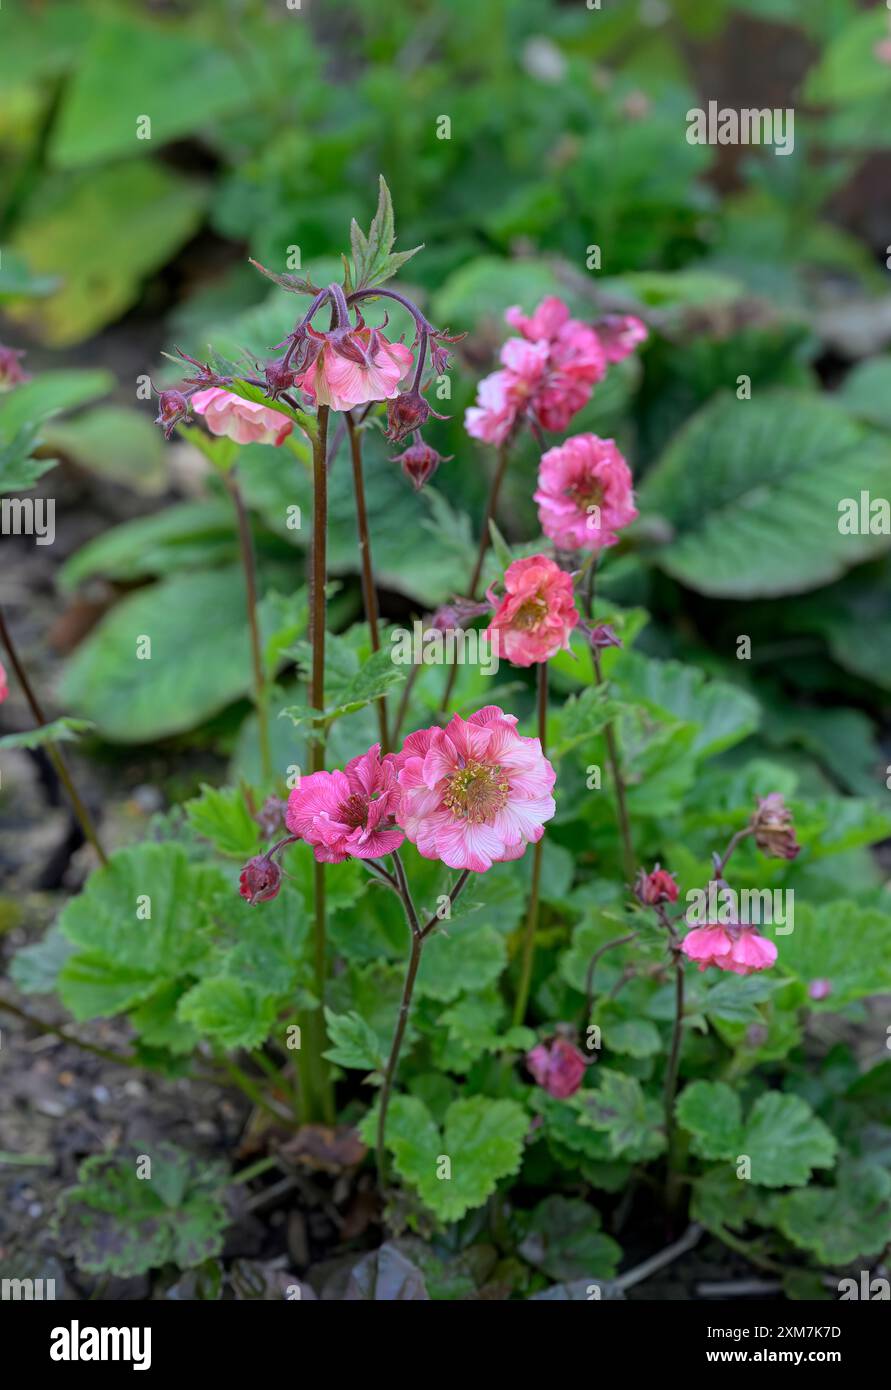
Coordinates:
(353, 811)
(586, 493)
(530, 613)
(477, 792)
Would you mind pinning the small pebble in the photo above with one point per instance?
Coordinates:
(101, 1094)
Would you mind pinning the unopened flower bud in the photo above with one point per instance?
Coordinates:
(405, 413)
(557, 1066)
(819, 989)
(419, 462)
(603, 636)
(655, 887)
(261, 879)
(279, 378)
(774, 828)
(173, 406)
(11, 373)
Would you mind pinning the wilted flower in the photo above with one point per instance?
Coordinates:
(658, 886)
(173, 406)
(419, 462)
(774, 828)
(11, 373)
(735, 947)
(584, 493)
(247, 422)
(475, 793)
(536, 615)
(348, 814)
(558, 1066)
(261, 879)
(353, 367)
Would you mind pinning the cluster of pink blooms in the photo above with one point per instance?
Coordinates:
(734, 946)
(473, 794)
(584, 493)
(548, 373)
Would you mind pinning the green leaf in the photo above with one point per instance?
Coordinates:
(130, 70)
(849, 68)
(374, 678)
(35, 969)
(723, 714)
(115, 1222)
(122, 955)
(18, 470)
(866, 391)
(355, 1043)
(844, 943)
(234, 1013)
(188, 535)
(481, 1138)
(711, 1112)
(840, 1224)
(65, 730)
(221, 815)
(563, 1239)
(121, 445)
(102, 232)
(48, 395)
(200, 658)
(460, 955)
(631, 1120)
(742, 476)
(373, 262)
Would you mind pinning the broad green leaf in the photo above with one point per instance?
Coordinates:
(137, 924)
(782, 1137)
(16, 280)
(48, 395)
(232, 1012)
(840, 1224)
(848, 945)
(102, 232)
(65, 730)
(481, 1138)
(119, 1221)
(866, 390)
(711, 1112)
(188, 535)
(18, 470)
(742, 476)
(200, 658)
(849, 68)
(35, 969)
(129, 71)
(461, 955)
(122, 445)
(374, 678)
(632, 1121)
(723, 713)
(355, 1044)
(563, 1239)
(221, 815)
(632, 1037)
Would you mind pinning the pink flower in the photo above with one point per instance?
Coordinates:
(820, 989)
(349, 813)
(4, 685)
(261, 879)
(536, 615)
(619, 335)
(584, 493)
(475, 793)
(11, 371)
(505, 395)
(247, 422)
(656, 887)
(355, 368)
(558, 1067)
(740, 949)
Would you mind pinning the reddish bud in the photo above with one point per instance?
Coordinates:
(774, 828)
(655, 887)
(557, 1066)
(11, 373)
(405, 413)
(419, 463)
(173, 406)
(279, 378)
(603, 636)
(261, 879)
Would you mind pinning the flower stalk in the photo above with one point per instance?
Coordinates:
(249, 566)
(369, 591)
(528, 947)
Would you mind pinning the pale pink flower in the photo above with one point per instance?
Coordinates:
(882, 50)
(558, 1067)
(619, 335)
(735, 947)
(505, 395)
(584, 493)
(536, 615)
(364, 367)
(475, 793)
(349, 813)
(247, 422)
(576, 361)
(4, 685)
(820, 989)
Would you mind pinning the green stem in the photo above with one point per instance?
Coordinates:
(249, 566)
(369, 592)
(589, 571)
(525, 984)
(82, 815)
(250, 1088)
(672, 1190)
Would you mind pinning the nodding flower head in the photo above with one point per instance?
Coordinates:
(408, 412)
(419, 462)
(655, 887)
(261, 879)
(619, 335)
(11, 373)
(354, 366)
(279, 378)
(733, 946)
(774, 828)
(173, 406)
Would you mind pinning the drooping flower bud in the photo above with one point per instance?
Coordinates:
(419, 462)
(279, 378)
(11, 373)
(173, 406)
(558, 1067)
(458, 613)
(603, 636)
(774, 828)
(405, 413)
(261, 879)
(655, 887)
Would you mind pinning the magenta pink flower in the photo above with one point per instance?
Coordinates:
(11, 371)
(475, 793)
(735, 947)
(656, 887)
(558, 1067)
(355, 368)
(584, 493)
(247, 422)
(534, 619)
(4, 685)
(350, 813)
(619, 335)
